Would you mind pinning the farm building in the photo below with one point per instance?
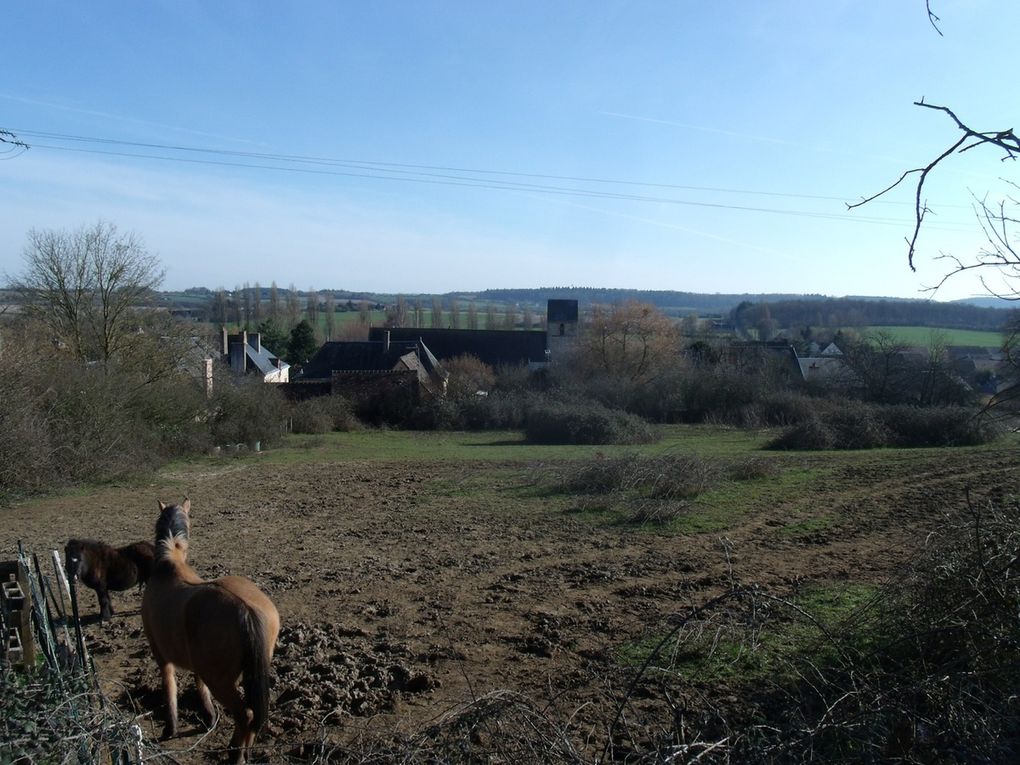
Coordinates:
(371, 372)
(497, 347)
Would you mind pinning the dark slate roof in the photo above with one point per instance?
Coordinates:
(561, 310)
(783, 351)
(354, 357)
(492, 346)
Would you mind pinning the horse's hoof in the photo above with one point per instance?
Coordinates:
(170, 731)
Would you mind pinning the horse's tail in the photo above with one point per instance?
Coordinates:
(255, 670)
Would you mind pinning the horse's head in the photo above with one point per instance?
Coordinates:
(173, 527)
(74, 559)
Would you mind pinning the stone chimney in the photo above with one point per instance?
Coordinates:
(386, 342)
(225, 343)
(238, 358)
(257, 341)
(208, 378)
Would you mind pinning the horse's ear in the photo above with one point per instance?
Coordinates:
(162, 505)
(186, 507)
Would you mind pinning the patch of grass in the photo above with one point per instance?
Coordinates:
(505, 445)
(808, 526)
(709, 440)
(748, 653)
(720, 507)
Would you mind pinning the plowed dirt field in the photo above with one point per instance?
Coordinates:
(408, 588)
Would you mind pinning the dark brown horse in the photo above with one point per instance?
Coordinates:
(223, 630)
(105, 568)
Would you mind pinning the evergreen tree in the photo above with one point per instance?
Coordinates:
(302, 344)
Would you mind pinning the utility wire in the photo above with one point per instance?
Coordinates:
(414, 173)
(399, 166)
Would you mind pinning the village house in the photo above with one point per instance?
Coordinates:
(245, 354)
(358, 368)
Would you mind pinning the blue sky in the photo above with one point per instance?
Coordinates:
(750, 123)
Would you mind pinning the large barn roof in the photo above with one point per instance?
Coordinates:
(493, 347)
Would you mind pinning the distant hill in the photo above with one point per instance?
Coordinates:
(858, 312)
(990, 302)
(666, 300)
(786, 309)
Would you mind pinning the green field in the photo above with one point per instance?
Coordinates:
(921, 336)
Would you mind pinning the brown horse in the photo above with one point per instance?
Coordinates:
(222, 630)
(105, 568)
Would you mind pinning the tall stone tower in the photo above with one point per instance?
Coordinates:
(561, 326)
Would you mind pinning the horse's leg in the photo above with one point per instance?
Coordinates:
(226, 692)
(105, 607)
(170, 686)
(208, 714)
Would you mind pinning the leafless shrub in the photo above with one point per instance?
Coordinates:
(924, 670)
(657, 512)
(311, 416)
(665, 477)
(679, 476)
(601, 474)
(752, 469)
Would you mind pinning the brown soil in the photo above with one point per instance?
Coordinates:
(407, 590)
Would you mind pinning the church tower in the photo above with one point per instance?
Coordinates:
(561, 326)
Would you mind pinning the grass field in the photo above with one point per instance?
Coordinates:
(921, 336)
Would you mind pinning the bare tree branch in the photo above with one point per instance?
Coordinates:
(932, 18)
(1006, 140)
(15, 147)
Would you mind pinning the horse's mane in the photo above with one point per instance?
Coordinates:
(172, 534)
(175, 547)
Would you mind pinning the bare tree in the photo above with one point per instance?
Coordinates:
(879, 367)
(219, 307)
(510, 316)
(419, 314)
(472, 315)
(274, 303)
(631, 340)
(397, 315)
(490, 316)
(234, 302)
(454, 313)
(256, 313)
(312, 309)
(529, 318)
(247, 306)
(293, 306)
(329, 309)
(437, 312)
(87, 285)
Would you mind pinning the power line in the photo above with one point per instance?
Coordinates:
(400, 167)
(414, 173)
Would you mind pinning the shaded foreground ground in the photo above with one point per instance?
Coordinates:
(409, 588)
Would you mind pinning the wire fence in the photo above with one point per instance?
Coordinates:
(52, 708)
